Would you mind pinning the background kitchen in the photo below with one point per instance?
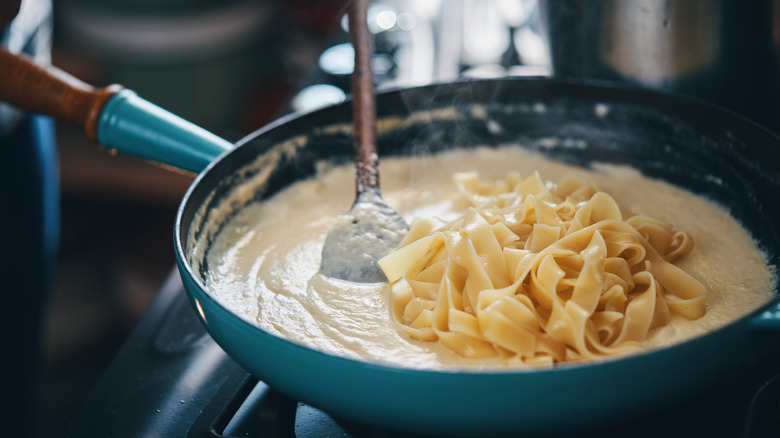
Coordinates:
(233, 66)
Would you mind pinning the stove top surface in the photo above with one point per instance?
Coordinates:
(171, 379)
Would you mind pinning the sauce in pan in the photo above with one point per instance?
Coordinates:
(264, 263)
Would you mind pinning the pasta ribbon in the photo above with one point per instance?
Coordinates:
(539, 273)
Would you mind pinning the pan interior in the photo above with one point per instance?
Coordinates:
(713, 154)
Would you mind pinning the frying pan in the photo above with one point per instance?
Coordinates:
(708, 150)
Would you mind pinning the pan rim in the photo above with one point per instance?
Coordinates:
(186, 269)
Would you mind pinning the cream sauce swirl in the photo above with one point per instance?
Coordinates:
(264, 264)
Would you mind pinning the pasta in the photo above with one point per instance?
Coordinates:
(539, 273)
(264, 263)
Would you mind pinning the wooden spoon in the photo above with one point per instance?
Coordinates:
(371, 229)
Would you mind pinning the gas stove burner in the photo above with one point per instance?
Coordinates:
(246, 407)
(171, 379)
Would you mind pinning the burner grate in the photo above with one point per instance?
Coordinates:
(246, 407)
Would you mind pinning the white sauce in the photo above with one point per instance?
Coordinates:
(264, 264)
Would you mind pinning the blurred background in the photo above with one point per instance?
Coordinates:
(104, 223)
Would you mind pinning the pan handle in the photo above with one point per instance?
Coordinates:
(113, 117)
(136, 126)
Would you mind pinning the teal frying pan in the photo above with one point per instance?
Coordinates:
(692, 144)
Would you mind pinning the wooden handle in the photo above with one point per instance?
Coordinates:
(364, 101)
(52, 92)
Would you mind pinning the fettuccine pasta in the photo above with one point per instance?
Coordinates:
(539, 273)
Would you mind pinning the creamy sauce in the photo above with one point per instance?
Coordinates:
(264, 264)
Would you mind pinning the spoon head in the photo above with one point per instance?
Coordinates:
(362, 236)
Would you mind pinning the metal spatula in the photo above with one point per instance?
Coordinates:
(371, 229)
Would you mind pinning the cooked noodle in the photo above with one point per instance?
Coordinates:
(539, 273)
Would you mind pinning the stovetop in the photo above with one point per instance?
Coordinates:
(170, 379)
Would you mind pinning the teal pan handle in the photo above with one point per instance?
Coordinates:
(115, 118)
(132, 125)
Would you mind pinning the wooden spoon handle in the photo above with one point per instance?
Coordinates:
(364, 101)
(52, 92)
